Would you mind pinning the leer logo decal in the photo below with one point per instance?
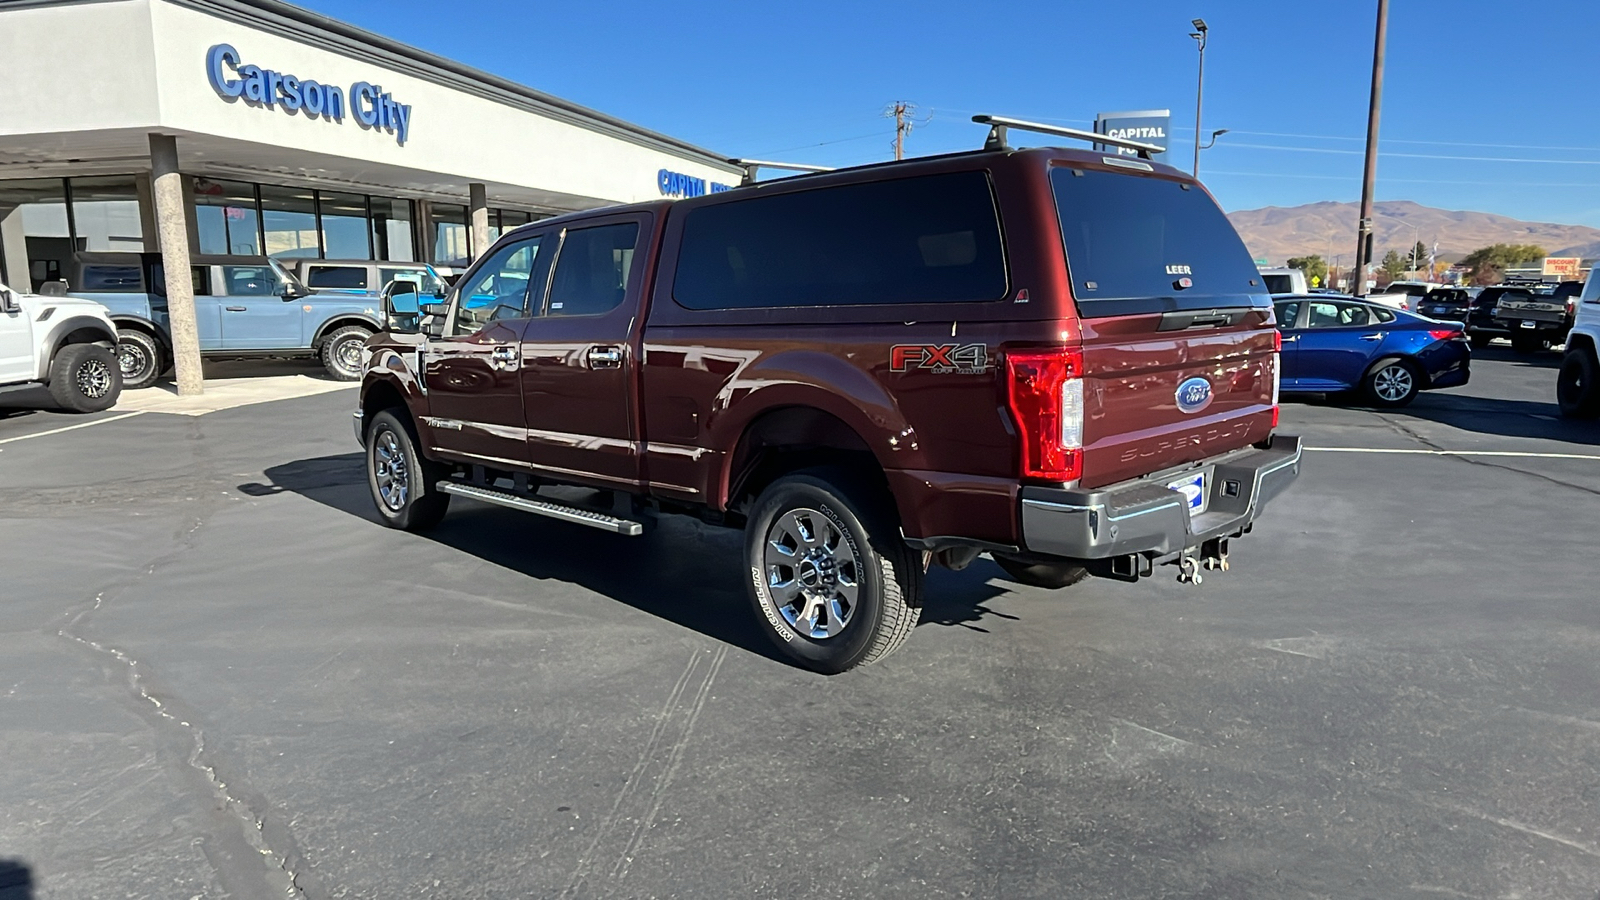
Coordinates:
(963, 359)
(1194, 395)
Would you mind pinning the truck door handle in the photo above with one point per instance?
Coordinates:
(605, 358)
(236, 309)
(504, 354)
(1372, 337)
(1290, 338)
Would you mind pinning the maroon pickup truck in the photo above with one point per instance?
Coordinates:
(1063, 358)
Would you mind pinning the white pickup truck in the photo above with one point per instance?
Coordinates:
(1576, 389)
(63, 344)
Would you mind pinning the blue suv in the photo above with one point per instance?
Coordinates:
(245, 306)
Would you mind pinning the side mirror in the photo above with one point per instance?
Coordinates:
(400, 309)
(8, 302)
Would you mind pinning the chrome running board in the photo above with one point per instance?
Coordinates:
(589, 517)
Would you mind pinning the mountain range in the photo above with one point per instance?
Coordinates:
(1278, 233)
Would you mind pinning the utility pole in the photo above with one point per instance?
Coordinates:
(1199, 34)
(902, 126)
(1369, 175)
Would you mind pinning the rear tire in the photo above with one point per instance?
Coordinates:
(1479, 341)
(84, 378)
(1576, 391)
(1525, 343)
(1392, 383)
(139, 358)
(1050, 576)
(341, 352)
(830, 578)
(405, 486)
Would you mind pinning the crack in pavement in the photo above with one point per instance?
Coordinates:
(1404, 431)
(252, 853)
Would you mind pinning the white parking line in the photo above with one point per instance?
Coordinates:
(1511, 453)
(24, 437)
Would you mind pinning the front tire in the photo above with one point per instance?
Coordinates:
(139, 358)
(1576, 391)
(830, 578)
(1050, 576)
(341, 352)
(405, 486)
(1392, 383)
(85, 378)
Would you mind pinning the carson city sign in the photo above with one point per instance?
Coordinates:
(371, 106)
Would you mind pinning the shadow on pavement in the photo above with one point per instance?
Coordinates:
(1545, 359)
(1507, 418)
(682, 571)
(16, 880)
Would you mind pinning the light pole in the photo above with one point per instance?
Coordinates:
(1214, 135)
(1199, 34)
(1369, 173)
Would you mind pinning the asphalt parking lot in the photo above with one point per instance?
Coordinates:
(220, 677)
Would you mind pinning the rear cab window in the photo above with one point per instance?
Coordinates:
(923, 239)
(1141, 244)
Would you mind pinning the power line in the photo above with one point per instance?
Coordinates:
(1509, 159)
(1559, 184)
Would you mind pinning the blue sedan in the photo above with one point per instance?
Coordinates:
(1334, 344)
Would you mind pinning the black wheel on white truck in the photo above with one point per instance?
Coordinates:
(1577, 392)
(830, 576)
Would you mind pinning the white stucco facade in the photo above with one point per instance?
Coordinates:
(85, 82)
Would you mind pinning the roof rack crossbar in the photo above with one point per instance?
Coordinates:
(998, 126)
(751, 165)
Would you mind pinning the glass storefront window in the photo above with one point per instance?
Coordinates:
(289, 220)
(105, 214)
(41, 203)
(450, 233)
(504, 220)
(345, 234)
(391, 230)
(226, 217)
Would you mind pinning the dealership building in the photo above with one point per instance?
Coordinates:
(291, 135)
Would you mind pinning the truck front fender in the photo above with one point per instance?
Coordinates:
(75, 330)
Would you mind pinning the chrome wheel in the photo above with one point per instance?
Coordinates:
(391, 470)
(812, 572)
(132, 360)
(94, 379)
(348, 355)
(1393, 382)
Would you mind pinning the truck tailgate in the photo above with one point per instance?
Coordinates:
(1157, 399)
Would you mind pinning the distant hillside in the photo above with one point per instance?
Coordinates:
(1277, 233)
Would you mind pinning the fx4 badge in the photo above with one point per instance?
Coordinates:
(960, 359)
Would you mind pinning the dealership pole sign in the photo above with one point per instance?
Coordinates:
(372, 107)
(1148, 126)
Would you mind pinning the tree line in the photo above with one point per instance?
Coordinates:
(1486, 265)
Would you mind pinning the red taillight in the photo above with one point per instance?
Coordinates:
(1444, 334)
(1277, 341)
(1045, 393)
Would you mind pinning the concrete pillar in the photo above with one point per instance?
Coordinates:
(478, 215)
(15, 244)
(172, 224)
(426, 232)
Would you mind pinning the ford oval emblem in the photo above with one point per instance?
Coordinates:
(1194, 394)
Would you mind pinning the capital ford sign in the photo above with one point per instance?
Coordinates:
(372, 107)
(1147, 126)
(677, 184)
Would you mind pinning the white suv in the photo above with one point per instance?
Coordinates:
(61, 343)
(1576, 388)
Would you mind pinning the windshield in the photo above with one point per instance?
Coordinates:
(1141, 244)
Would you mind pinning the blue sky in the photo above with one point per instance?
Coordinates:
(1471, 120)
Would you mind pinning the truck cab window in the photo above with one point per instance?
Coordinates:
(592, 270)
(498, 289)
